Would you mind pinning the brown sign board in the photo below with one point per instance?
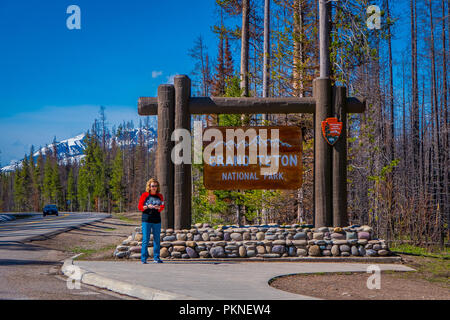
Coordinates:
(254, 154)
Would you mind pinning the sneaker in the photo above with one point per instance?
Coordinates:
(157, 261)
(144, 262)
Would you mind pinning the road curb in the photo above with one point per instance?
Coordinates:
(132, 290)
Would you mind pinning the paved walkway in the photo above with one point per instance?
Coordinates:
(204, 280)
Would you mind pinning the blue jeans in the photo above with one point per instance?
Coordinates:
(154, 228)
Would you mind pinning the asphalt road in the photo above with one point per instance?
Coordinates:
(29, 271)
(37, 227)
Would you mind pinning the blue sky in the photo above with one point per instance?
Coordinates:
(53, 80)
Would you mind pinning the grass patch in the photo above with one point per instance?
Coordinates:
(420, 251)
(431, 264)
(436, 270)
(86, 253)
(123, 218)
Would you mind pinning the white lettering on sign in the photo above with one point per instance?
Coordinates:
(74, 21)
(181, 153)
(374, 20)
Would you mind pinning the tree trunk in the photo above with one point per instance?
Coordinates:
(445, 172)
(245, 47)
(391, 87)
(298, 53)
(437, 173)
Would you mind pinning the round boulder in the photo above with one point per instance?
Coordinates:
(314, 251)
(135, 256)
(205, 236)
(292, 251)
(318, 236)
(217, 252)
(362, 251)
(260, 236)
(337, 236)
(351, 235)
(169, 238)
(251, 253)
(191, 252)
(122, 248)
(363, 235)
(278, 249)
(164, 253)
(179, 248)
(135, 249)
(236, 236)
(261, 249)
(242, 252)
(121, 254)
(335, 250)
(300, 236)
(204, 254)
(181, 236)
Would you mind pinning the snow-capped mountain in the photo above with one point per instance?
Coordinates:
(67, 150)
(72, 149)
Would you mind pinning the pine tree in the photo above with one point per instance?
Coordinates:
(47, 190)
(38, 180)
(19, 189)
(92, 175)
(34, 187)
(84, 188)
(71, 191)
(219, 77)
(56, 190)
(228, 63)
(116, 183)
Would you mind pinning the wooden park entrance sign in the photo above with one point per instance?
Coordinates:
(174, 107)
(234, 172)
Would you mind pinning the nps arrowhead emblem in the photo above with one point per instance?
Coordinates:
(331, 130)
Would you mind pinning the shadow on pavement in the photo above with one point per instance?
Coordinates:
(15, 262)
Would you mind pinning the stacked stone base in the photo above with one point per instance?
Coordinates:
(268, 241)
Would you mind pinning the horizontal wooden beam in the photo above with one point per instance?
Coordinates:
(355, 105)
(147, 106)
(224, 105)
(239, 105)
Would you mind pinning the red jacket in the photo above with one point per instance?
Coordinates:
(144, 197)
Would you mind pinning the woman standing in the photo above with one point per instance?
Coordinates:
(151, 204)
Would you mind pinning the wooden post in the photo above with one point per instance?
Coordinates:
(165, 168)
(182, 189)
(323, 153)
(324, 38)
(340, 218)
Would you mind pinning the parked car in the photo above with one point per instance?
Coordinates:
(50, 209)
